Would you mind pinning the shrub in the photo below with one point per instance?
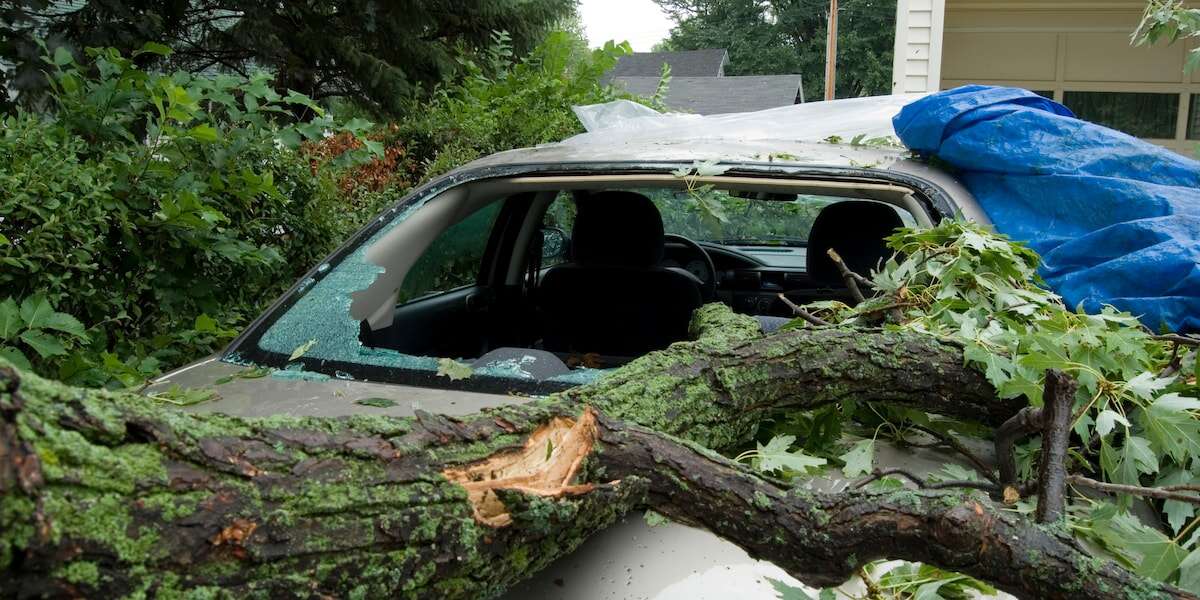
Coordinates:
(507, 103)
(153, 206)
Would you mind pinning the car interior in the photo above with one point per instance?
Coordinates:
(594, 271)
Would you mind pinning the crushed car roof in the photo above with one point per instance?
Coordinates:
(854, 132)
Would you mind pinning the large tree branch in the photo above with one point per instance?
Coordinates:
(823, 538)
(107, 494)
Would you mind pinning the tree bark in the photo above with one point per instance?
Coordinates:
(105, 494)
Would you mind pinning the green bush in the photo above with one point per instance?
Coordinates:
(508, 103)
(151, 207)
(162, 211)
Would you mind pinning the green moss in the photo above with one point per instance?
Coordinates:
(104, 520)
(80, 572)
(761, 500)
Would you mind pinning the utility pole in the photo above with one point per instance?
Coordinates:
(831, 52)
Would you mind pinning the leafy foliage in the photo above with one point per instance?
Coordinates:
(153, 206)
(1169, 21)
(379, 52)
(35, 325)
(505, 102)
(778, 37)
(1136, 421)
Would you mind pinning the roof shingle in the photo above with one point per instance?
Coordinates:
(720, 95)
(686, 63)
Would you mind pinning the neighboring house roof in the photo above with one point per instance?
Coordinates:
(719, 95)
(686, 63)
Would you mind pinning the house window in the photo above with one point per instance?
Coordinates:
(1142, 114)
(1193, 130)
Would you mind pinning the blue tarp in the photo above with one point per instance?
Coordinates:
(1116, 219)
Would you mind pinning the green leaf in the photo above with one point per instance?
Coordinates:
(35, 310)
(45, 344)
(375, 148)
(1146, 384)
(1127, 464)
(448, 367)
(654, 519)
(1171, 428)
(929, 591)
(10, 319)
(62, 56)
(776, 457)
(302, 349)
(789, 592)
(180, 396)
(376, 402)
(4, 240)
(205, 324)
(16, 357)
(65, 323)
(1108, 419)
(858, 460)
(1189, 572)
(153, 48)
(709, 168)
(203, 133)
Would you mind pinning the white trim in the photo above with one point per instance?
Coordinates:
(917, 52)
(898, 47)
(937, 30)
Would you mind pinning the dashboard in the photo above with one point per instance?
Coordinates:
(750, 278)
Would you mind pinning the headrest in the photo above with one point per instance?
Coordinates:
(617, 229)
(855, 228)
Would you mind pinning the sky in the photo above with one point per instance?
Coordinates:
(641, 22)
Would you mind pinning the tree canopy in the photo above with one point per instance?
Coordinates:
(374, 51)
(775, 37)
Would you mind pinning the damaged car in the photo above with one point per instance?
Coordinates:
(535, 270)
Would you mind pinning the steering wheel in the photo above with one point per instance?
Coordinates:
(708, 284)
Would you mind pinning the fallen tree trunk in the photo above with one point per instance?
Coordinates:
(107, 494)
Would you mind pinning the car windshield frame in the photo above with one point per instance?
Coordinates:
(246, 350)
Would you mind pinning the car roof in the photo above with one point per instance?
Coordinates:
(782, 151)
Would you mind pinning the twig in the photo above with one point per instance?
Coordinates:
(850, 277)
(1183, 340)
(1057, 398)
(873, 591)
(804, 314)
(1026, 421)
(927, 485)
(1177, 361)
(1161, 493)
(958, 446)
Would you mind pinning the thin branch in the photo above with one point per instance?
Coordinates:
(1183, 340)
(928, 485)
(850, 277)
(1161, 493)
(1028, 420)
(949, 440)
(1177, 361)
(804, 314)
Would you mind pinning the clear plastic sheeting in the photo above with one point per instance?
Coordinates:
(622, 121)
(1116, 219)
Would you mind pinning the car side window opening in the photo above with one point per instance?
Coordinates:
(453, 259)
